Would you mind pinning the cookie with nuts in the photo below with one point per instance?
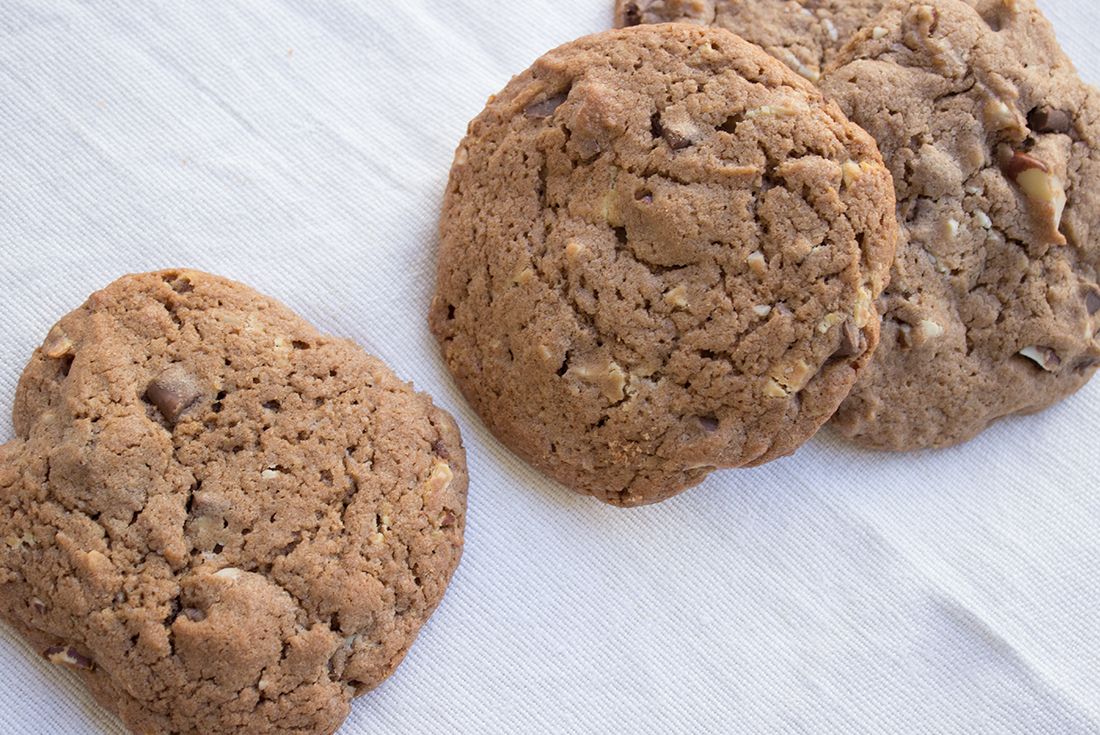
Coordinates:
(660, 249)
(222, 520)
(803, 34)
(993, 141)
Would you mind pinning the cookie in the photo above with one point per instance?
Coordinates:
(803, 34)
(222, 520)
(993, 307)
(659, 253)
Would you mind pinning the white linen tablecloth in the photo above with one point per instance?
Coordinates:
(302, 147)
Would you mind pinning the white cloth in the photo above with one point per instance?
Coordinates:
(302, 147)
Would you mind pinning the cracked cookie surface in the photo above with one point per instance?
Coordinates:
(659, 253)
(993, 307)
(222, 520)
(803, 34)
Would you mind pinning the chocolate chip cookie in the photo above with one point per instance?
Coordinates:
(222, 520)
(803, 34)
(993, 307)
(660, 250)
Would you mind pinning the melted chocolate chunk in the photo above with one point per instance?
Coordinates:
(173, 392)
(544, 108)
(1046, 119)
(851, 341)
(632, 16)
(1092, 300)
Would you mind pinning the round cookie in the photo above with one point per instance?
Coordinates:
(659, 253)
(222, 520)
(993, 306)
(803, 34)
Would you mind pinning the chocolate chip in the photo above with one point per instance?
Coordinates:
(1086, 363)
(195, 616)
(632, 16)
(675, 141)
(851, 340)
(545, 108)
(173, 392)
(1092, 300)
(1045, 119)
(439, 449)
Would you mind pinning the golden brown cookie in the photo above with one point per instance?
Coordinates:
(994, 144)
(659, 253)
(221, 519)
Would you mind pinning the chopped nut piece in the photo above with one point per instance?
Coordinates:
(1043, 186)
(18, 542)
(928, 14)
(1000, 114)
(905, 335)
(68, 656)
(762, 310)
(929, 329)
(677, 297)
(1037, 182)
(573, 248)
(231, 319)
(864, 312)
(757, 263)
(771, 111)
(811, 73)
(878, 32)
(57, 343)
(830, 320)
(773, 390)
(440, 477)
(851, 171)
(1021, 162)
(608, 377)
(228, 573)
(1044, 357)
(787, 378)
